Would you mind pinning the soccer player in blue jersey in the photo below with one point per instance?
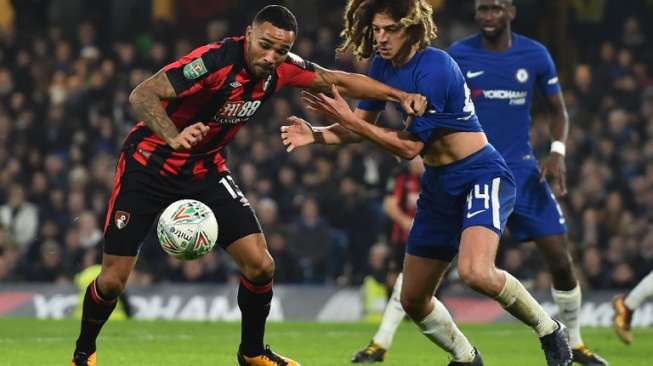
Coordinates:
(467, 189)
(503, 69)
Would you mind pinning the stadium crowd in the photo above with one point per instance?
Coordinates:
(65, 77)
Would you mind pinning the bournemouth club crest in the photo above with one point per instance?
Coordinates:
(122, 219)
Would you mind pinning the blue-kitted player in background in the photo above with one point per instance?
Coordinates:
(503, 69)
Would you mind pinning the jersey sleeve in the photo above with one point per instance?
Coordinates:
(547, 77)
(296, 72)
(200, 69)
(375, 73)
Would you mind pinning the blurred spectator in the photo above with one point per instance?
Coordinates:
(49, 267)
(287, 268)
(19, 217)
(310, 237)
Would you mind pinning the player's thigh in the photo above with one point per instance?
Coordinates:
(132, 209)
(436, 226)
(233, 212)
(537, 213)
(478, 250)
(490, 201)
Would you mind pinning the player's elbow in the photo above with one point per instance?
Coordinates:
(136, 95)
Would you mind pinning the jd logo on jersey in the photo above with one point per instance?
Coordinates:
(122, 219)
(194, 69)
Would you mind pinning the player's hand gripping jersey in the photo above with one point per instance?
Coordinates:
(435, 75)
(214, 87)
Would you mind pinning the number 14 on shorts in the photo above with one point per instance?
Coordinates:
(483, 199)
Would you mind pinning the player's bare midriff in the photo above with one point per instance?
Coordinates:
(450, 146)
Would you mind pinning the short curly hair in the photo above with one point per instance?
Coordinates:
(415, 15)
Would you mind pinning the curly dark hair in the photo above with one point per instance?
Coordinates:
(415, 15)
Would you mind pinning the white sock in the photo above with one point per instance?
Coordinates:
(518, 302)
(640, 293)
(440, 328)
(569, 306)
(392, 316)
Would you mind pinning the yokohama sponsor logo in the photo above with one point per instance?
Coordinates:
(515, 97)
(504, 94)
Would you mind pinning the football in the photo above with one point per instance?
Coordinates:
(187, 229)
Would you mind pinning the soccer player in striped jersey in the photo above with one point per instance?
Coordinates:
(189, 111)
(467, 189)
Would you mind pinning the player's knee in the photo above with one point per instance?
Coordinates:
(260, 270)
(476, 277)
(112, 285)
(413, 306)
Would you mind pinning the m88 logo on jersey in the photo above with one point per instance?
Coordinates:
(239, 109)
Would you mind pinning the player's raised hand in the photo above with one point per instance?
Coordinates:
(299, 133)
(189, 137)
(335, 109)
(413, 104)
(554, 167)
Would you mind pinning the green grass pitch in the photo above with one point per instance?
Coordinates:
(29, 342)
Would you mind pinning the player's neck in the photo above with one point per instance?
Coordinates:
(500, 43)
(402, 58)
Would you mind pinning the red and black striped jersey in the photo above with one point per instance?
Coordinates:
(213, 86)
(405, 187)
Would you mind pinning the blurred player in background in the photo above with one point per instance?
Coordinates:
(400, 204)
(502, 70)
(189, 111)
(467, 189)
(625, 305)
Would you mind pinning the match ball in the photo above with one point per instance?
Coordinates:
(187, 229)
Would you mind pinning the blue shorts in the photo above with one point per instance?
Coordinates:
(476, 191)
(537, 213)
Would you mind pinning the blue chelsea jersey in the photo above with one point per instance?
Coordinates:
(502, 85)
(434, 74)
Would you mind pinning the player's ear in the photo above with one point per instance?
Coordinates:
(512, 12)
(248, 33)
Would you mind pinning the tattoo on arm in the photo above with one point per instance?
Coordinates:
(146, 101)
(323, 80)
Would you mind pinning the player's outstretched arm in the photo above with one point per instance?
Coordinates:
(400, 143)
(300, 132)
(359, 86)
(146, 101)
